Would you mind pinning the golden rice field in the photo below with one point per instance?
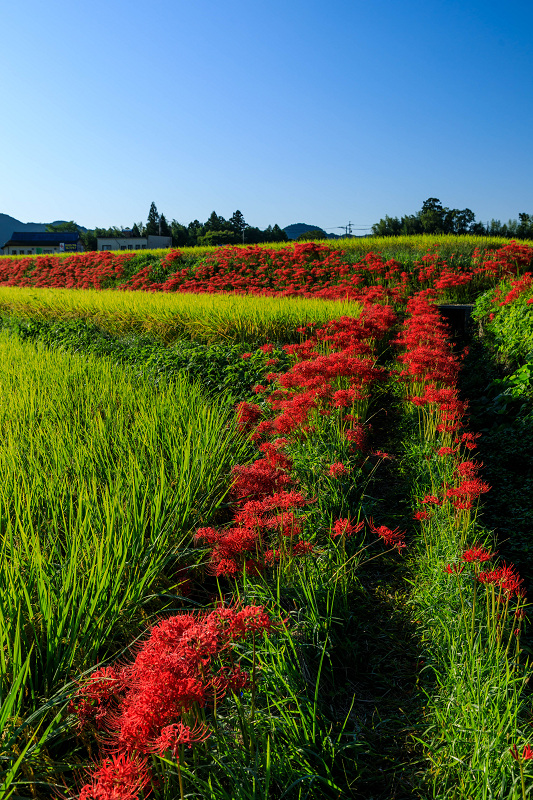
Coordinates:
(171, 316)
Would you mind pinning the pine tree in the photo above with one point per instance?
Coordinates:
(238, 223)
(152, 225)
(164, 226)
(214, 223)
(279, 235)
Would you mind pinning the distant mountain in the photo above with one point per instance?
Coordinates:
(9, 225)
(293, 231)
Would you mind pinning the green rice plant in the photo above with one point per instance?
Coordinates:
(171, 316)
(102, 480)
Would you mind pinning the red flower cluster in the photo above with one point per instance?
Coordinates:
(527, 752)
(517, 288)
(119, 777)
(505, 261)
(331, 376)
(505, 578)
(333, 372)
(264, 532)
(93, 270)
(477, 554)
(428, 361)
(431, 369)
(338, 470)
(392, 538)
(154, 704)
(345, 528)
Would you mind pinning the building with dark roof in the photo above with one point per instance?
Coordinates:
(31, 244)
(133, 242)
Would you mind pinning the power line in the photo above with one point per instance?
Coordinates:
(349, 227)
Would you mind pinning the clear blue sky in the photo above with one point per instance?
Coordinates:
(290, 111)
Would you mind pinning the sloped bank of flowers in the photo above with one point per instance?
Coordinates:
(305, 270)
(198, 681)
(470, 606)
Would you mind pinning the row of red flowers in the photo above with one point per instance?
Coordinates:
(330, 379)
(307, 270)
(430, 369)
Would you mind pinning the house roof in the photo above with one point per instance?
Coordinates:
(36, 238)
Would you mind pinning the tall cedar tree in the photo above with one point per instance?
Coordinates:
(152, 225)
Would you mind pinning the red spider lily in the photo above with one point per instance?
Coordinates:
(225, 568)
(302, 548)
(274, 456)
(468, 489)
(248, 415)
(306, 270)
(383, 455)
(175, 735)
(432, 500)
(271, 557)
(337, 470)
(468, 469)
(504, 577)
(209, 535)
(343, 527)
(357, 436)
(393, 538)
(469, 440)
(175, 672)
(455, 569)
(252, 619)
(477, 554)
(527, 752)
(446, 451)
(235, 679)
(120, 777)
(95, 696)
(517, 288)
(258, 480)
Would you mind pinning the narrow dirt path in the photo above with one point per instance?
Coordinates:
(384, 672)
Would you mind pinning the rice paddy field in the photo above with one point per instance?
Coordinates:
(265, 523)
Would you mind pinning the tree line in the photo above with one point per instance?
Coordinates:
(215, 231)
(433, 217)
